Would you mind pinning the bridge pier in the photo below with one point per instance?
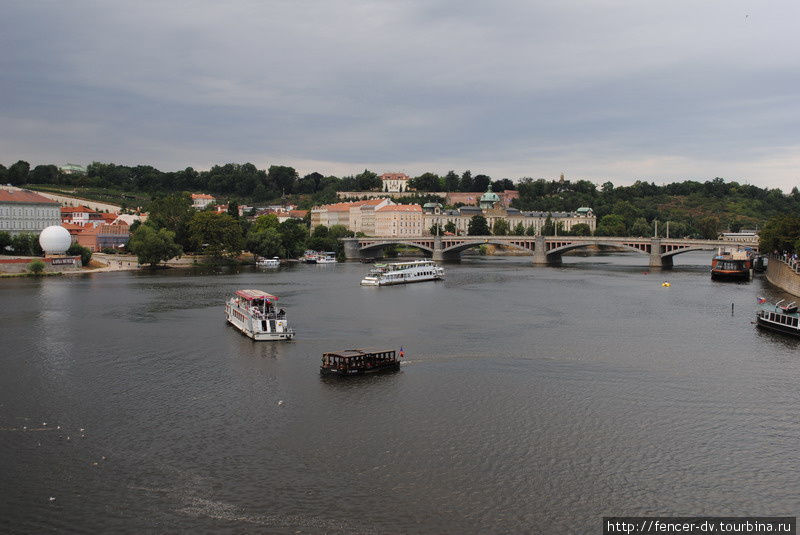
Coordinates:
(656, 260)
(540, 256)
(438, 255)
(352, 251)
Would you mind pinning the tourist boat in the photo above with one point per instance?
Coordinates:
(269, 262)
(403, 273)
(326, 258)
(777, 317)
(309, 257)
(359, 362)
(732, 265)
(254, 313)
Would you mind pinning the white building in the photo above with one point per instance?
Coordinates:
(26, 212)
(201, 200)
(394, 182)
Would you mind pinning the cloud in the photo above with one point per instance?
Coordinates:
(607, 89)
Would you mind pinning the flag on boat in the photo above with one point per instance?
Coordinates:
(402, 353)
(761, 300)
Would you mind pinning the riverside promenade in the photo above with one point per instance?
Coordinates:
(784, 272)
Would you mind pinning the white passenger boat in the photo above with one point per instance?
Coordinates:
(269, 262)
(403, 273)
(254, 313)
(326, 258)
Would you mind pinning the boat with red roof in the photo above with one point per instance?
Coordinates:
(256, 315)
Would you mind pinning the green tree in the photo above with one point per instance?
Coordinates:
(264, 238)
(294, 235)
(581, 229)
(611, 225)
(18, 173)
(780, 234)
(481, 182)
(425, 182)
(450, 227)
(640, 227)
(153, 246)
(548, 229)
(709, 227)
(44, 174)
(465, 184)
(233, 209)
(79, 250)
(36, 267)
(519, 230)
(531, 231)
(501, 227)
(173, 212)
(283, 177)
(435, 229)
(218, 235)
(451, 181)
(367, 181)
(5, 241)
(478, 226)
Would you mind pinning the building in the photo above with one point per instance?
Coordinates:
(347, 214)
(103, 236)
(394, 182)
(26, 212)
(399, 220)
(201, 200)
(532, 222)
(292, 214)
(80, 215)
(472, 198)
(743, 236)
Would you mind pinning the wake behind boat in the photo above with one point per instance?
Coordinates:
(403, 273)
(253, 312)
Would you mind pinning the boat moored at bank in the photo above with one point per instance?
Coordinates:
(255, 314)
(732, 265)
(783, 318)
(269, 262)
(403, 273)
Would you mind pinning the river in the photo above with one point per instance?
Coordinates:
(533, 400)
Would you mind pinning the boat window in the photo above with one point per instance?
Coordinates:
(794, 322)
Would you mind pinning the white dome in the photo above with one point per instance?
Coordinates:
(55, 240)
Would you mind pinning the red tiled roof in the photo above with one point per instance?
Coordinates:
(24, 196)
(76, 210)
(345, 206)
(394, 176)
(298, 213)
(401, 208)
(201, 196)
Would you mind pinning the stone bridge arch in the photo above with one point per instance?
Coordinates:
(373, 249)
(455, 250)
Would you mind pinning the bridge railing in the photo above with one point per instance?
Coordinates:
(790, 260)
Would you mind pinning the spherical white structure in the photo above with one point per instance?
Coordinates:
(55, 240)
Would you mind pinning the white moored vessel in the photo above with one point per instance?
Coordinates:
(269, 262)
(326, 258)
(403, 273)
(254, 313)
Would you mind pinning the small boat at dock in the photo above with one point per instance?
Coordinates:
(783, 318)
(359, 362)
(326, 258)
(732, 265)
(254, 313)
(269, 262)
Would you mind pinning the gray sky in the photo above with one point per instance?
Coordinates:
(602, 90)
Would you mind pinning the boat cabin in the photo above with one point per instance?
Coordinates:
(359, 362)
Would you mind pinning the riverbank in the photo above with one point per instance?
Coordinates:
(784, 274)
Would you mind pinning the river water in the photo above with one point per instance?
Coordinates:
(533, 400)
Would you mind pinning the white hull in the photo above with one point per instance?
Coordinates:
(404, 273)
(257, 329)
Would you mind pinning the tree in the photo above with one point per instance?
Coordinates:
(283, 177)
(611, 225)
(233, 209)
(640, 227)
(44, 174)
(501, 227)
(478, 226)
(26, 245)
(5, 241)
(436, 229)
(548, 229)
(367, 181)
(530, 231)
(84, 252)
(18, 173)
(450, 227)
(218, 235)
(36, 267)
(465, 184)
(519, 230)
(172, 212)
(780, 234)
(425, 182)
(451, 181)
(481, 183)
(153, 246)
(709, 227)
(294, 235)
(581, 229)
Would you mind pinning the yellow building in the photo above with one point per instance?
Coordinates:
(399, 220)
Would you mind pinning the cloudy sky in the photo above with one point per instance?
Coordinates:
(596, 89)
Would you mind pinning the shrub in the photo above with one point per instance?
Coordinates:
(36, 267)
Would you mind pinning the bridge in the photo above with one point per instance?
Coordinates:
(546, 250)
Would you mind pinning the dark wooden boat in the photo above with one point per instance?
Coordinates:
(359, 362)
(732, 265)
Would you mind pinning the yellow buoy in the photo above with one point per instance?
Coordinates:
(666, 284)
